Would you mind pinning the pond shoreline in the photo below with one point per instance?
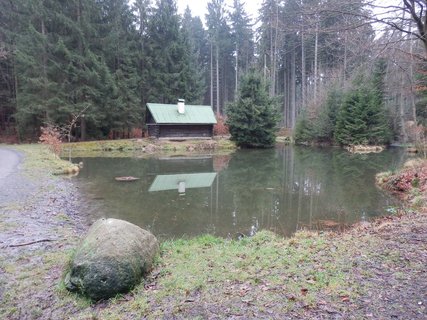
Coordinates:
(374, 270)
(146, 147)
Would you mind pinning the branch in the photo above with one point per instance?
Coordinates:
(29, 243)
(417, 19)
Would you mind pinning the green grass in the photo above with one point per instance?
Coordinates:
(265, 266)
(145, 147)
(39, 160)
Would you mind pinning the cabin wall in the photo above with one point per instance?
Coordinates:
(180, 131)
(153, 130)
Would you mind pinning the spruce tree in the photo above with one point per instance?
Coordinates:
(170, 70)
(304, 132)
(351, 120)
(243, 40)
(222, 72)
(253, 117)
(59, 72)
(377, 119)
(194, 68)
(118, 47)
(362, 117)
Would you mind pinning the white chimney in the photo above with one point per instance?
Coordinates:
(181, 106)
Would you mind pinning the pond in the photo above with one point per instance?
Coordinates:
(283, 189)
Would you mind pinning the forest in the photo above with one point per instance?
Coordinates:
(342, 71)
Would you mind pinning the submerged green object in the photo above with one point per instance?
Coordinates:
(112, 259)
(127, 178)
(190, 181)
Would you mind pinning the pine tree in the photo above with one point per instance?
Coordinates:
(243, 39)
(194, 67)
(362, 118)
(304, 132)
(169, 68)
(253, 118)
(198, 40)
(58, 72)
(325, 123)
(9, 26)
(222, 76)
(351, 125)
(118, 47)
(377, 119)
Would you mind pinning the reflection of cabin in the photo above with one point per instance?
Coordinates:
(175, 165)
(181, 182)
(179, 120)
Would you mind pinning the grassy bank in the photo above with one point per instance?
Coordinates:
(371, 271)
(40, 161)
(146, 147)
(409, 183)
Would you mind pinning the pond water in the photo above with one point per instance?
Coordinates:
(283, 190)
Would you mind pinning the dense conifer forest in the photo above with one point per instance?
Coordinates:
(342, 71)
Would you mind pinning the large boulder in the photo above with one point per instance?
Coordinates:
(112, 259)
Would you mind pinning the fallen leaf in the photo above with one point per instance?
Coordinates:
(248, 301)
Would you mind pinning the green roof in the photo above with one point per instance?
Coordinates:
(191, 181)
(168, 113)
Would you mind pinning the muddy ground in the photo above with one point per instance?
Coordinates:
(41, 221)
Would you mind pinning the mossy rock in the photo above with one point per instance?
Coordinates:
(112, 259)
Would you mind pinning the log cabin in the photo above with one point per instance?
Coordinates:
(171, 121)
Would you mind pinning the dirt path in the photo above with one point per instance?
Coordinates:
(9, 160)
(39, 225)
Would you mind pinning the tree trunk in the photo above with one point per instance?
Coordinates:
(344, 75)
(212, 79)
(217, 80)
(293, 91)
(273, 49)
(412, 93)
(44, 68)
(316, 52)
(303, 73)
(402, 111)
(237, 71)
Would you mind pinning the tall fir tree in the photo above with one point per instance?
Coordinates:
(119, 49)
(58, 73)
(362, 118)
(377, 117)
(200, 47)
(9, 27)
(351, 120)
(169, 68)
(253, 117)
(243, 40)
(194, 42)
(222, 77)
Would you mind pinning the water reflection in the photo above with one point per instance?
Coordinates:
(283, 189)
(182, 182)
